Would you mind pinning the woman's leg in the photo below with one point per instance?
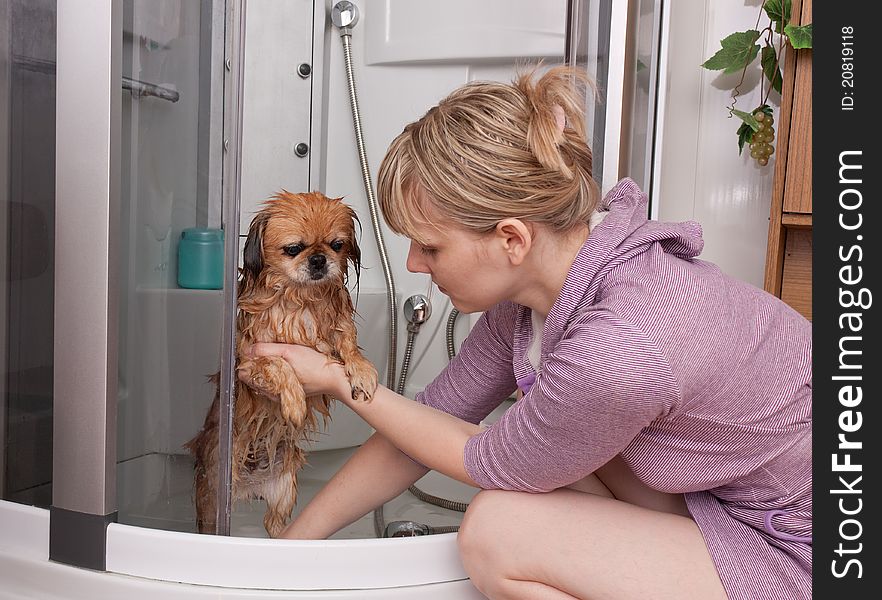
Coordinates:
(572, 544)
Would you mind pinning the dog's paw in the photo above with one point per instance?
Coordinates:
(267, 376)
(362, 379)
(293, 404)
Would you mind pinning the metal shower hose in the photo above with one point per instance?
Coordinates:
(346, 36)
(379, 519)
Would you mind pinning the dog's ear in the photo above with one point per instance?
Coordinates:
(252, 256)
(355, 251)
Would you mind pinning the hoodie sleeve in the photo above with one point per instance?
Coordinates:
(602, 384)
(480, 376)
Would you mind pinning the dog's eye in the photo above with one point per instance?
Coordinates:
(293, 250)
(337, 245)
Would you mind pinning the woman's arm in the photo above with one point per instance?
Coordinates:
(427, 435)
(376, 473)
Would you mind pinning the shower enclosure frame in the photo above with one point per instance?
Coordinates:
(88, 115)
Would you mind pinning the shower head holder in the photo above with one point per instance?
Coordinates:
(344, 16)
(417, 309)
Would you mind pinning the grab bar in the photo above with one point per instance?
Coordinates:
(141, 88)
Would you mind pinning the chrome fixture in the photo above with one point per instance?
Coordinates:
(344, 15)
(412, 529)
(417, 309)
(406, 529)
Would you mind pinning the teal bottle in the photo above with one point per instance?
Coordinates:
(201, 259)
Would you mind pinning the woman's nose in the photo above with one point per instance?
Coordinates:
(415, 262)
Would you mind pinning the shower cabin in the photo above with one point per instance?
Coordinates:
(130, 122)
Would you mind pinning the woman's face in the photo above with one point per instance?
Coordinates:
(468, 267)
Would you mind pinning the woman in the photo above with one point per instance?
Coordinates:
(662, 445)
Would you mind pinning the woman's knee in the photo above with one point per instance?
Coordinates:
(481, 533)
(474, 530)
(504, 539)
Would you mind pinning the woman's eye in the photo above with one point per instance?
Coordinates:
(336, 245)
(293, 250)
(428, 250)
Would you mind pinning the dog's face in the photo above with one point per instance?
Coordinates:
(307, 238)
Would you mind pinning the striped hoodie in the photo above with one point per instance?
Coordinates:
(700, 381)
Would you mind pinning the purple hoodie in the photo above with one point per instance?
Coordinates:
(700, 381)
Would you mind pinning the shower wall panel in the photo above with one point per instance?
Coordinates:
(277, 104)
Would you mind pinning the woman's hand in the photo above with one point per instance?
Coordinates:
(317, 373)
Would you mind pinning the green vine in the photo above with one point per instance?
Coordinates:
(739, 51)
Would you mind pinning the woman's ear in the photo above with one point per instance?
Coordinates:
(516, 237)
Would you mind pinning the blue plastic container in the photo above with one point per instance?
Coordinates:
(201, 259)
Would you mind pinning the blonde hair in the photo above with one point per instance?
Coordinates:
(491, 151)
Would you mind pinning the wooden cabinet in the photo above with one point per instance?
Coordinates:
(789, 253)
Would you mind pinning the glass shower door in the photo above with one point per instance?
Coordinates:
(618, 44)
(171, 290)
(27, 246)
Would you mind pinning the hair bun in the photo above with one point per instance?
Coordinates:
(555, 107)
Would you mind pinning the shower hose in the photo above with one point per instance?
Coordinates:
(405, 364)
(379, 519)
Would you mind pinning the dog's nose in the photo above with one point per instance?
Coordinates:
(317, 261)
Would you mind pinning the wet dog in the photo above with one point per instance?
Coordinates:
(292, 289)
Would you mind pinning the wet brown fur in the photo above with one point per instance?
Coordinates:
(281, 298)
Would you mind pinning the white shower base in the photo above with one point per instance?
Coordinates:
(31, 578)
(152, 552)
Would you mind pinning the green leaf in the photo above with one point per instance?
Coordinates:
(746, 117)
(800, 36)
(739, 50)
(749, 124)
(745, 135)
(779, 13)
(769, 61)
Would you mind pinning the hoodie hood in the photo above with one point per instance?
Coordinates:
(627, 228)
(624, 233)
